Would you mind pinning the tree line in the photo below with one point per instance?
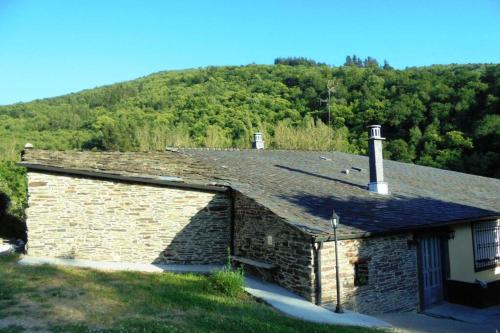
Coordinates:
(445, 116)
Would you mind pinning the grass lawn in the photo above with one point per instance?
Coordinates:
(57, 299)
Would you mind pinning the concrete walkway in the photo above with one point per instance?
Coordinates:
(412, 322)
(6, 249)
(463, 313)
(446, 318)
(296, 306)
(119, 266)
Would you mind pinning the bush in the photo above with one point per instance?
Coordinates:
(227, 281)
(12, 200)
(309, 135)
(13, 192)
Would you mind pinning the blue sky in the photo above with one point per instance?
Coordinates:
(53, 47)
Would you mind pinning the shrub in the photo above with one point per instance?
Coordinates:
(227, 281)
(309, 135)
(12, 200)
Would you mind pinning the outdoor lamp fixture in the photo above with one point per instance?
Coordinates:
(335, 222)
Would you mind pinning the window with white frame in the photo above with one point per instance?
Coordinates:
(486, 238)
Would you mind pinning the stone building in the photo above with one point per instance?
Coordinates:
(412, 237)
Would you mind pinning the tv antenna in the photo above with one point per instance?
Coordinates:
(330, 86)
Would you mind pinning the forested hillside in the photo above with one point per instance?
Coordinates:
(441, 116)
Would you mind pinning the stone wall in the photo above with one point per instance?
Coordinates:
(387, 277)
(84, 218)
(263, 236)
(388, 270)
(76, 217)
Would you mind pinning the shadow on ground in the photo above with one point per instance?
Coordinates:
(11, 227)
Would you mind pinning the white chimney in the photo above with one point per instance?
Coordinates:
(377, 183)
(258, 141)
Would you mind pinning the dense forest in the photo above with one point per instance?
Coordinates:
(445, 116)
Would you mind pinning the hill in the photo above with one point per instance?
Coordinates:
(446, 116)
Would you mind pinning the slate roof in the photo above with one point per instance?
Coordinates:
(147, 165)
(304, 187)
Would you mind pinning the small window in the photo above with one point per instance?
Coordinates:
(361, 273)
(486, 238)
(269, 240)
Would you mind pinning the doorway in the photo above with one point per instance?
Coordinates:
(431, 271)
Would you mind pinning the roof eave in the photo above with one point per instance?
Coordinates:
(123, 178)
(329, 237)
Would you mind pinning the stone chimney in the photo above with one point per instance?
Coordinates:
(377, 183)
(258, 141)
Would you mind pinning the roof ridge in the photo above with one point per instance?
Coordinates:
(251, 149)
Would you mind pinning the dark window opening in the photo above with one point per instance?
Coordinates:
(361, 273)
(486, 238)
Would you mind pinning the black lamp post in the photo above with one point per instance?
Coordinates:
(335, 222)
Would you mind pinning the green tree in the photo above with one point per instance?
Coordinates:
(216, 137)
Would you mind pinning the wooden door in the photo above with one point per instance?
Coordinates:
(431, 270)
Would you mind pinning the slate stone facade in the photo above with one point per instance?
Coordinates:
(282, 200)
(388, 269)
(84, 218)
(261, 235)
(390, 282)
(389, 266)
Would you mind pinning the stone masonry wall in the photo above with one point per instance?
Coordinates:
(76, 217)
(389, 274)
(261, 235)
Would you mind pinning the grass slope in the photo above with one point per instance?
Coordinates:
(55, 299)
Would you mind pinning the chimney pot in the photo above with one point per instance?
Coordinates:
(377, 183)
(375, 132)
(258, 141)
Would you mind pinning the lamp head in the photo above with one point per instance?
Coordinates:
(335, 220)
